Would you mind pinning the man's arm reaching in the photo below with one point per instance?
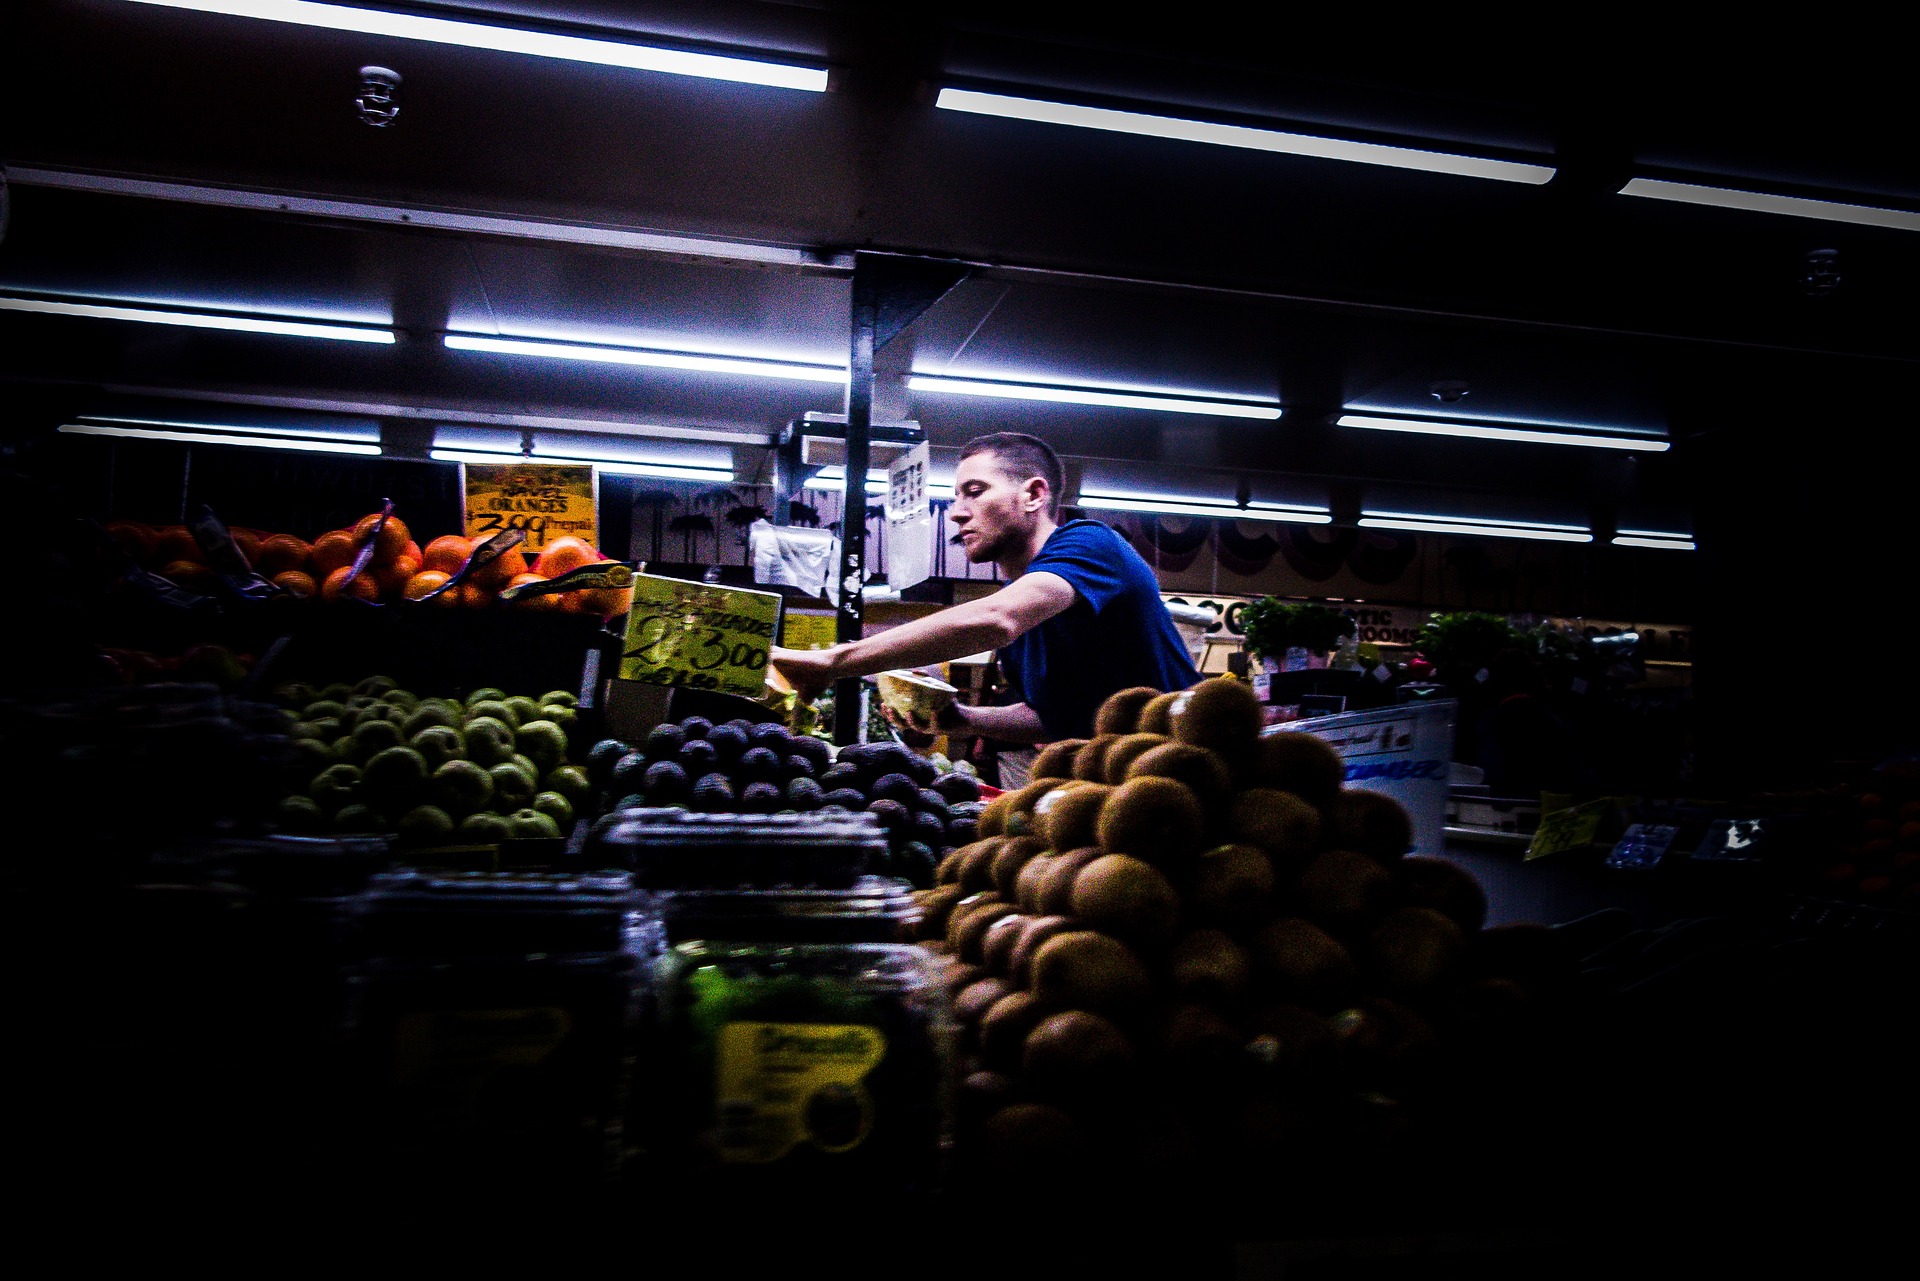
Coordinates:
(969, 628)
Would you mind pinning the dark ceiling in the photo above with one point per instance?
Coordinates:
(513, 195)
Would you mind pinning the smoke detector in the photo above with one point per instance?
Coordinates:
(376, 100)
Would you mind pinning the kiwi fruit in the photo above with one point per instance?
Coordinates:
(1153, 818)
(1055, 760)
(1056, 884)
(1343, 889)
(947, 870)
(1290, 1042)
(1383, 1042)
(1424, 880)
(1036, 930)
(1019, 820)
(1123, 751)
(1233, 884)
(996, 945)
(974, 1000)
(1298, 762)
(1371, 822)
(1127, 897)
(974, 902)
(1005, 1026)
(1120, 714)
(982, 1093)
(934, 909)
(1302, 964)
(1199, 1045)
(957, 976)
(1067, 817)
(1026, 882)
(1076, 1054)
(968, 936)
(1278, 822)
(1221, 715)
(1013, 854)
(1084, 969)
(1207, 965)
(1414, 952)
(1204, 773)
(993, 816)
(976, 869)
(1089, 763)
(1023, 1143)
(1156, 716)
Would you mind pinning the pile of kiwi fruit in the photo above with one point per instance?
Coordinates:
(1187, 946)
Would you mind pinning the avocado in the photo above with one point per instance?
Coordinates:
(757, 765)
(713, 794)
(895, 787)
(761, 797)
(804, 794)
(695, 727)
(664, 741)
(956, 788)
(699, 758)
(665, 783)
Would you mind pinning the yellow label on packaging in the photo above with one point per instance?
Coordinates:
(805, 629)
(547, 500)
(699, 635)
(778, 1085)
(1571, 828)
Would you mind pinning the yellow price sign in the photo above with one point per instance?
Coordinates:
(1571, 828)
(699, 635)
(547, 500)
(809, 629)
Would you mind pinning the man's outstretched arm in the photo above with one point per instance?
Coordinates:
(969, 628)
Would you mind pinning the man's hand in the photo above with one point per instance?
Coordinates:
(953, 720)
(809, 671)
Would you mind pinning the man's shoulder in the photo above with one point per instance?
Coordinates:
(1084, 536)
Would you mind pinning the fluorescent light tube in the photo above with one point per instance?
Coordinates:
(1299, 144)
(473, 35)
(368, 435)
(614, 466)
(220, 437)
(1761, 202)
(833, 475)
(201, 320)
(1161, 505)
(1652, 538)
(754, 366)
(1488, 526)
(1493, 431)
(1093, 396)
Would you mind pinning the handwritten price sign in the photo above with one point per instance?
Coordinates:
(1572, 828)
(546, 500)
(699, 636)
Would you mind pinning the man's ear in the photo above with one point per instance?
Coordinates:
(1034, 495)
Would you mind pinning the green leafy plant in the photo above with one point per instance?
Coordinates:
(1460, 643)
(1272, 627)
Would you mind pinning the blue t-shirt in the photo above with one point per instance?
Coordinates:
(1117, 633)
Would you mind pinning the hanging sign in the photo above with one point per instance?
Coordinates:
(809, 629)
(699, 635)
(544, 500)
(910, 524)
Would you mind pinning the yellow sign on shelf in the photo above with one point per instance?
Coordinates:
(1570, 828)
(547, 500)
(699, 635)
(809, 629)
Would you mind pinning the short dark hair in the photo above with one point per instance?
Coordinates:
(1023, 456)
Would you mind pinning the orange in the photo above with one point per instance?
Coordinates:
(295, 583)
(190, 574)
(395, 574)
(333, 550)
(336, 586)
(447, 553)
(174, 543)
(247, 541)
(569, 551)
(474, 596)
(548, 601)
(424, 581)
(500, 571)
(393, 535)
(281, 552)
(135, 538)
(607, 601)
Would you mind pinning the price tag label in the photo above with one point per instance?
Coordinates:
(907, 484)
(1571, 828)
(699, 635)
(809, 629)
(545, 500)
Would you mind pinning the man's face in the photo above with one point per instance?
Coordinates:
(992, 512)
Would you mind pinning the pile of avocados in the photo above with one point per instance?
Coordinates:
(1188, 952)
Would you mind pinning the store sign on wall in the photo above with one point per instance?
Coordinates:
(547, 500)
(1378, 624)
(699, 636)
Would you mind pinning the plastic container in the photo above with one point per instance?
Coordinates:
(672, 849)
(492, 1023)
(874, 909)
(799, 1071)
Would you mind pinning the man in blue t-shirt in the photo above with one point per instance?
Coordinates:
(1079, 619)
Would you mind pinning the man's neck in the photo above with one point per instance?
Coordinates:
(1015, 562)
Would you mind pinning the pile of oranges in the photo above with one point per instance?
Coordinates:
(400, 570)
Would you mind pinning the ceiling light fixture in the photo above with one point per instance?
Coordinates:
(213, 434)
(833, 477)
(1653, 538)
(1169, 505)
(201, 320)
(1094, 396)
(1692, 193)
(613, 466)
(1487, 525)
(474, 35)
(756, 366)
(1504, 431)
(1226, 135)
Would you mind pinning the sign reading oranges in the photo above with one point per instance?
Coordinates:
(548, 501)
(699, 635)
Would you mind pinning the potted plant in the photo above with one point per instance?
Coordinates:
(1288, 635)
(1461, 643)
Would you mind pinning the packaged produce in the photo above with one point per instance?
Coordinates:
(674, 849)
(873, 909)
